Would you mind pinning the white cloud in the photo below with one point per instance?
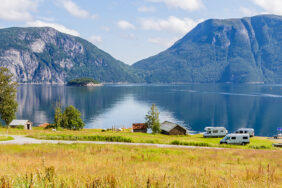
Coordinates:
(128, 36)
(271, 6)
(162, 42)
(95, 39)
(146, 9)
(125, 25)
(105, 28)
(75, 10)
(247, 11)
(47, 19)
(190, 5)
(173, 24)
(17, 10)
(58, 27)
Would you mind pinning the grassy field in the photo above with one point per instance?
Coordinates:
(81, 165)
(6, 138)
(127, 136)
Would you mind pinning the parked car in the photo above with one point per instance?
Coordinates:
(215, 132)
(240, 139)
(249, 131)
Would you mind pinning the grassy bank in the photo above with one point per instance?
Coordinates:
(6, 138)
(81, 165)
(127, 136)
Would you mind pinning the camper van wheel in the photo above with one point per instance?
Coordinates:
(243, 143)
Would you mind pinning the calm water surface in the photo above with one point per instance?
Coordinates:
(195, 106)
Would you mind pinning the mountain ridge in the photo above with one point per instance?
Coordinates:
(45, 55)
(221, 50)
(243, 50)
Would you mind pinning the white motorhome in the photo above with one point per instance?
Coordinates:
(249, 131)
(215, 132)
(240, 139)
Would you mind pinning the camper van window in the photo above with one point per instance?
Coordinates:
(215, 131)
(246, 131)
(221, 131)
(233, 138)
(245, 137)
(241, 131)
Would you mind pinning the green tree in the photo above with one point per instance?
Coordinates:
(152, 119)
(72, 119)
(8, 93)
(58, 118)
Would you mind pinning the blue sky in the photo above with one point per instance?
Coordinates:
(129, 30)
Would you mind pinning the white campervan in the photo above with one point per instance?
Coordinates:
(249, 131)
(215, 132)
(241, 139)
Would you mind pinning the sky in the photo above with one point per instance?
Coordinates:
(129, 30)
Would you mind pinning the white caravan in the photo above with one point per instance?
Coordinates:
(215, 132)
(241, 139)
(249, 131)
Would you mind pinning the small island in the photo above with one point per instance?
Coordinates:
(89, 82)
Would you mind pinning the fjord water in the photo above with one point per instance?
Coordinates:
(195, 106)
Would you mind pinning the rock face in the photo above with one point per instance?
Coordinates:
(232, 50)
(44, 55)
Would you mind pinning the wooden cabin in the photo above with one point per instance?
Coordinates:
(170, 128)
(139, 128)
(19, 123)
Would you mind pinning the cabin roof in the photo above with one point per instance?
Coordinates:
(168, 126)
(44, 125)
(19, 122)
(139, 126)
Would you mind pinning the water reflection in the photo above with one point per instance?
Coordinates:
(233, 106)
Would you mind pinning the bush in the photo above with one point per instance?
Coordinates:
(51, 126)
(17, 127)
(86, 138)
(259, 147)
(202, 144)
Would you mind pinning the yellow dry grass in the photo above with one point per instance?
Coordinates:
(81, 165)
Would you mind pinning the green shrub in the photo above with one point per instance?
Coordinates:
(17, 127)
(86, 138)
(202, 144)
(259, 147)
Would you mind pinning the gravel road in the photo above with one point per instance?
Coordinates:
(21, 140)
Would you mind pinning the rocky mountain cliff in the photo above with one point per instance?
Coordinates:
(231, 50)
(44, 55)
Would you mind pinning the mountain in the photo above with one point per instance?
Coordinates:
(45, 55)
(216, 51)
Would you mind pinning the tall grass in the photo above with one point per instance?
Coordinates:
(82, 165)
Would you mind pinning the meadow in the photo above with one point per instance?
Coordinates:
(128, 136)
(82, 165)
